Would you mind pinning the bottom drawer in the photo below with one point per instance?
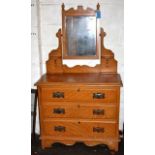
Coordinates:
(82, 128)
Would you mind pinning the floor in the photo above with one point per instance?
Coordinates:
(77, 149)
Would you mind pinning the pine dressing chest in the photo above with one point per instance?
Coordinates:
(80, 103)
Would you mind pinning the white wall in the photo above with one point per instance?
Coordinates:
(48, 13)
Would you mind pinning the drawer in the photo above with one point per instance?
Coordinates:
(79, 111)
(82, 129)
(79, 94)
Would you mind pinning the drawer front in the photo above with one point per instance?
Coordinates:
(81, 129)
(79, 111)
(79, 94)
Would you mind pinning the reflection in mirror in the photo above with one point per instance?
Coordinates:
(81, 35)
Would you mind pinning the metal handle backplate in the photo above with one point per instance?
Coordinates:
(59, 111)
(98, 95)
(98, 129)
(58, 94)
(98, 112)
(60, 128)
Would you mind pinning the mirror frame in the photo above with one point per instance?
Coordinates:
(79, 12)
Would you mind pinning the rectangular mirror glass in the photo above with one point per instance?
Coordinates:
(81, 35)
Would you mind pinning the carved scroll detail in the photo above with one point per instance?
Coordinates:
(78, 10)
(112, 144)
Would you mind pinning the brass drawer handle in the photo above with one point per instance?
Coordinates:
(98, 95)
(98, 112)
(98, 129)
(58, 95)
(59, 111)
(60, 128)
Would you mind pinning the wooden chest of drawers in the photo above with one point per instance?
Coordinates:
(74, 110)
(80, 103)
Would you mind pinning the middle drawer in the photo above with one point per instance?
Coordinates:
(79, 111)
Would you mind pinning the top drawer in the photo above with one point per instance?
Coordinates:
(90, 94)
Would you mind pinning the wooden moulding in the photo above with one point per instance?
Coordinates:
(79, 11)
(54, 64)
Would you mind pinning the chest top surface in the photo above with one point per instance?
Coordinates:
(81, 78)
